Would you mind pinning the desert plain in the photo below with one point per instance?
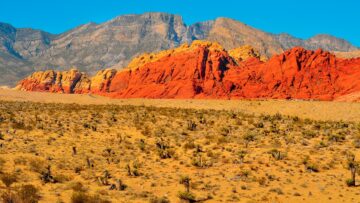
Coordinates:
(88, 148)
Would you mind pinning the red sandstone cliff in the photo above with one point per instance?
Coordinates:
(206, 70)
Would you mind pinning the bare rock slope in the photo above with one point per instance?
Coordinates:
(93, 47)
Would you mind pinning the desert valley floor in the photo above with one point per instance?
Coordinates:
(138, 150)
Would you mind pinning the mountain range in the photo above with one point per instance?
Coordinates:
(92, 47)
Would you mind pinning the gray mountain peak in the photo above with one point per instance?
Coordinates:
(91, 47)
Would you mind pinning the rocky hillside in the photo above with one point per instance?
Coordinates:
(351, 54)
(92, 47)
(207, 70)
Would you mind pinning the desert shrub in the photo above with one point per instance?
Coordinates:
(142, 144)
(277, 190)
(191, 125)
(225, 131)
(262, 181)
(190, 144)
(9, 197)
(350, 182)
(187, 196)
(61, 178)
(38, 165)
(159, 200)
(245, 173)
(276, 154)
(80, 197)
(309, 134)
(202, 119)
(164, 149)
(104, 179)
(78, 187)
(84, 197)
(241, 155)
(28, 194)
(356, 141)
(20, 125)
(312, 167)
(121, 186)
(249, 137)
(278, 117)
(146, 131)
(200, 161)
(337, 137)
(20, 160)
(322, 144)
(260, 125)
(8, 179)
(133, 170)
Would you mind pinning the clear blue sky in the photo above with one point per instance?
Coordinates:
(301, 18)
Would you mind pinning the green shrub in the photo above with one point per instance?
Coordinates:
(350, 182)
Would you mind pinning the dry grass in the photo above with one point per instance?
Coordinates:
(315, 110)
(133, 153)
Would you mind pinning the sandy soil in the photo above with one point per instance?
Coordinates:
(317, 110)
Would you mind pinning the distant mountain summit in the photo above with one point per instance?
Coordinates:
(92, 46)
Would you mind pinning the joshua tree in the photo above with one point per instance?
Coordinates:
(185, 180)
(353, 166)
(248, 137)
(191, 125)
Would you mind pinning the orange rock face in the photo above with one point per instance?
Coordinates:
(100, 83)
(206, 70)
(196, 72)
(71, 81)
(298, 74)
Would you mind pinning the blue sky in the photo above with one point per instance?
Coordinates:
(302, 19)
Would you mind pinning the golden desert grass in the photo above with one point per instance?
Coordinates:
(232, 151)
(317, 110)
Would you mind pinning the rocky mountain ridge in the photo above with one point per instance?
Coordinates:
(92, 47)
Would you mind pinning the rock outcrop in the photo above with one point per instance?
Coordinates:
(71, 81)
(207, 70)
(351, 54)
(245, 52)
(100, 83)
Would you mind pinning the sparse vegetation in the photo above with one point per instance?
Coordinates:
(103, 153)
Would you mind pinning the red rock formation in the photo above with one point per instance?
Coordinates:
(196, 72)
(206, 70)
(100, 83)
(71, 81)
